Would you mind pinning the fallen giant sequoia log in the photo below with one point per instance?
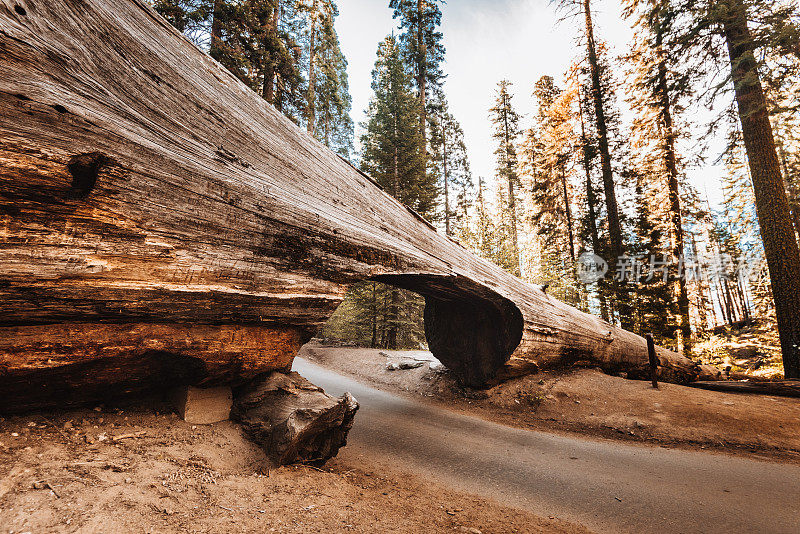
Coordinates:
(153, 208)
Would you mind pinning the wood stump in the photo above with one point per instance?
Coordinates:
(293, 420)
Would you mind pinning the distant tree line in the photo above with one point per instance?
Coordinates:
(586, 181)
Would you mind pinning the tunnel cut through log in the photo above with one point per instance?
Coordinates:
(472, 330)
(149, 197)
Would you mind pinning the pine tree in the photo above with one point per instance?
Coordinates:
(737, 225)
(328, 98)
(550, 186)
(423, 51)
(288, 52)
(546, 165)
(451, 164)
(745, 27)
(599, 99)
(591, 219)
(656, 87)
(392, 154)
(256, 41)
(391, 149)
(486, 233)
(506, 125)
(595, 225)
(194, 18)
(651, 292)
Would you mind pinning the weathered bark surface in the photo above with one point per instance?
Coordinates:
(73, 363)
(292, 419)
(772, 206)
(142, 183)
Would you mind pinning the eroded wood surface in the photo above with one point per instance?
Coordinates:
(74, 363)
(142, 183)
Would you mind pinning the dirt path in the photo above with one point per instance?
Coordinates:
(589, 402)
(64, 472)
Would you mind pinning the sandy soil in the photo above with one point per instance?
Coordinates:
(66, 472)
(590, 402)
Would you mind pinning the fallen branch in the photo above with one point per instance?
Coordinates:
(44, 484)
(785, 388)
(128, 436)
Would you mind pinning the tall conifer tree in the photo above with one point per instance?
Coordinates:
(743, 28)
(506, 131)
(392, 154)
(423, 51)
(451, 164)
(328, 98)
(391, 149)
(656, 87)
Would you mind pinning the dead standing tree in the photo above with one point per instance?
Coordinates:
(159, 218)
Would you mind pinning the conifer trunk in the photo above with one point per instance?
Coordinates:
(679, 290)
(446, 179)
(591, 202)
(215, 47)
(568, 211)
(374, 316)
(422, 68)
(268, 90)
(393, 319)
(772, 206)
(512, 202)
(702, 303)
(482, 221)
(614, 229)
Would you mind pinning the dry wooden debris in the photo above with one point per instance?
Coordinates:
(292, 419)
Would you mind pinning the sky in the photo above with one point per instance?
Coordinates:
(486, 41)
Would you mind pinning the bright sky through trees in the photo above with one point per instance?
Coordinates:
(488, 40)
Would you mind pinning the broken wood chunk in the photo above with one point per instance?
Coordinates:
(293, 420)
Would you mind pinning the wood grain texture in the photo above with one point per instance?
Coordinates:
(293, 420)
(140, 182)
(74, 363)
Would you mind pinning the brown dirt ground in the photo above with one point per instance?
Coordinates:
(590, 402)
(58, 475)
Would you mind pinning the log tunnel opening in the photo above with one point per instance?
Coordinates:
(468, 327)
